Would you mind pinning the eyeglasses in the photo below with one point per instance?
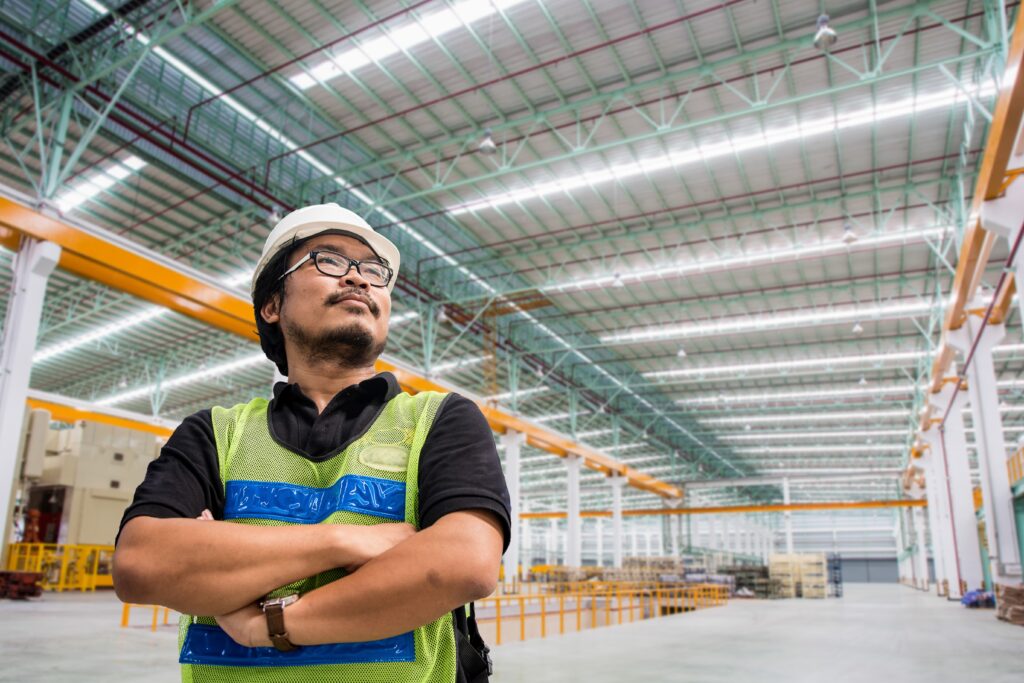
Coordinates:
(333, 264)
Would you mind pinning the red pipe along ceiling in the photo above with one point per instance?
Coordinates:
(500, 79)
(689, 91)
(617, 220)
(741, 292)
(719, 238)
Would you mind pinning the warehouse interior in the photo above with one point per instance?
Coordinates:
(733, 284)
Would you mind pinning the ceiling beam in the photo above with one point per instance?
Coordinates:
(96, 254)
(731, 509)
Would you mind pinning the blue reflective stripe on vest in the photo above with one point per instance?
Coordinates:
(210, 645)
(307, 505)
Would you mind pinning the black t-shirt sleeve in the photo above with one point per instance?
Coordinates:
(459, 466)
(185, 479)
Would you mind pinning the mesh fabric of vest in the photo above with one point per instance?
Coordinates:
(388, 450)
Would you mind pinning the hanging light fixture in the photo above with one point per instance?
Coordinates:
(617, 280)
(681, 353)
(825, 38)
(849, 236)
(858, 328)
(863, 381)
(487, 145)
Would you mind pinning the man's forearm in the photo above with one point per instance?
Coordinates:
(451, 563)
(209, 568)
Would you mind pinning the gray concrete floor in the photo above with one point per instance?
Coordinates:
(876, 634)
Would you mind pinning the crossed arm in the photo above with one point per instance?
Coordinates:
(401, 579)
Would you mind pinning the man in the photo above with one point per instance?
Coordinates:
(336, 532)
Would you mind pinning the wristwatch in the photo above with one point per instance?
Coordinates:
(274, 609)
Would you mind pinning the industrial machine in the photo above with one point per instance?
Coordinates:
(73, 485)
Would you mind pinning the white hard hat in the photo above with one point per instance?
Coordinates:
(314, 220)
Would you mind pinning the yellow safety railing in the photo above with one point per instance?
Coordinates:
(64, 567)
(127, 609)
(1015, 467)
(588, 587)
(603, 604)
(606, 604)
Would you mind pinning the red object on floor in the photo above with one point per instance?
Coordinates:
(20, 585)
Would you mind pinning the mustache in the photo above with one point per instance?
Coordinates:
(339, 297)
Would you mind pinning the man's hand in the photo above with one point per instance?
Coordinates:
(247, 627)
(363, 543)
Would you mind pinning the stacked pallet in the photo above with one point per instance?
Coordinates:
(800, 575)
(785, 569)
(1010, 603)
(752, 579)
(652, 569)
(813, 575)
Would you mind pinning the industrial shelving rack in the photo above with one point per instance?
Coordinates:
(835, 576)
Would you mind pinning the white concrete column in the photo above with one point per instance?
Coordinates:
(617, 482)
(949, 450)
(599, 532)
(997, 497)
(526, 549)
(1002, 215)
(513, 442)
(552, 542)
(921, 542)
(31, 270)
(788, 516)
(903, 569)
(634, 546)
(944, 532)
(573, 540)
(673, 525)
(938, 520)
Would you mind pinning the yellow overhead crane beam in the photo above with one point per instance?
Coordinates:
(64, 412)
(124, 267)
(730, 509)
(978, 242)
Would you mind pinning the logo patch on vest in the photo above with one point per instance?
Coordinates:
(306, 505)
(387, 458)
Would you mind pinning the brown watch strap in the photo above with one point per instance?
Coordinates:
(275, 627)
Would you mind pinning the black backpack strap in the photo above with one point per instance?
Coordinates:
(475, 664)
(477, 640)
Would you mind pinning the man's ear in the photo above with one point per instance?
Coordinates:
(271, 311)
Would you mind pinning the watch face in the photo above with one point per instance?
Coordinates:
(283, 600)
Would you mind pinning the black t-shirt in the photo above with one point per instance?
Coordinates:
(459, 467)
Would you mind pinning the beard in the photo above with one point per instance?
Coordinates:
(347, 346)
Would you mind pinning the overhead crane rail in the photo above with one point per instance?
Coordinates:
(993, 180)
(98, 255)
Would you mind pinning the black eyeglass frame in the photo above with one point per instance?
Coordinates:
(312, 256)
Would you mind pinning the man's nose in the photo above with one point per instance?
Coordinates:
(353, 279)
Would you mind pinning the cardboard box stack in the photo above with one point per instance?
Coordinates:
(1010, 603)
(813, 575)
(799, 575)
(786, 570)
